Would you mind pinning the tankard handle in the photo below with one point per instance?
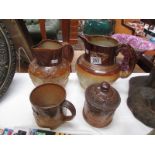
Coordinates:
(128, 63)
(68, 52)
(72, 109)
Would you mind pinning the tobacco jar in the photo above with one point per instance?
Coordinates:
(101, 101)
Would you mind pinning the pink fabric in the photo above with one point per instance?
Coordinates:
(139, 44)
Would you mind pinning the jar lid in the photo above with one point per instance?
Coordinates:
(102, 96)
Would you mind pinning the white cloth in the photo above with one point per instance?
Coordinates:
(15, 108)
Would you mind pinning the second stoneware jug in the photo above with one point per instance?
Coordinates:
(99, 62)
(52, 61)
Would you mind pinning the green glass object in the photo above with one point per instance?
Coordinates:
(98, 27)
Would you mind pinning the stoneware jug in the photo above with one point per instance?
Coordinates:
(52, 61)
(101, 101)
(99, 62)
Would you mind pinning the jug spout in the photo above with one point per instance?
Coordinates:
(83, 38)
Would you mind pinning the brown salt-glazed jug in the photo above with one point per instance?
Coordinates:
(99, 62)
(101, 101)
(52, 61)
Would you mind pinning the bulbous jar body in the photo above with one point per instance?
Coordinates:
(49, 74)
(89, 74)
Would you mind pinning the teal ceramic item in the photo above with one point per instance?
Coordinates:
(98, 27)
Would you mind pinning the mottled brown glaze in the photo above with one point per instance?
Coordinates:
(54, 74)
(95, 48)
(49, 105)
(46, 51)
(51, 63)
(101, 101)
(99, 61)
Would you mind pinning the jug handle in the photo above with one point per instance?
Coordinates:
(71, 108)
(42, 28)
(67, 51)
(128, 63)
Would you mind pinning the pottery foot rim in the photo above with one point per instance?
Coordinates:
(96, 126)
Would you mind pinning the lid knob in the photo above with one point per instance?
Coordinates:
(105, 86)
